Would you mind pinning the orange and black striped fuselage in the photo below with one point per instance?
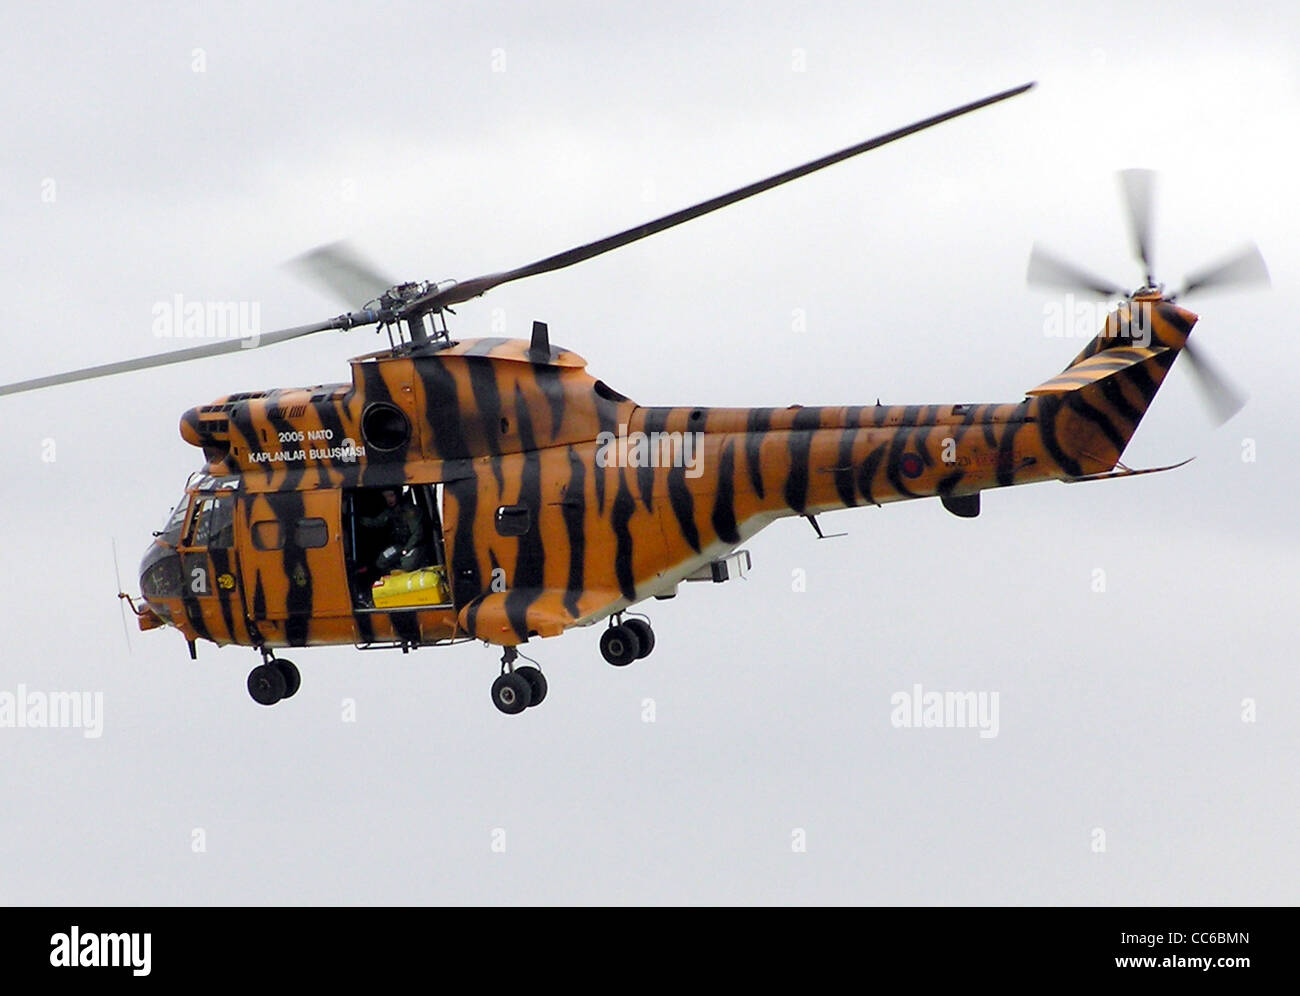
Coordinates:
(562, 502)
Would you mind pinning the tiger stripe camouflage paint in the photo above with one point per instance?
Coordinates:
(496, 428)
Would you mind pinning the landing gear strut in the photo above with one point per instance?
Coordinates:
(274, 679)
(518, 687)
(625, 642)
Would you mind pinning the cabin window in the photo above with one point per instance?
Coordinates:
(267, 535)
(514, 520)
(311, 533)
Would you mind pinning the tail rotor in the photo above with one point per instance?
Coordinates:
(1246, 267)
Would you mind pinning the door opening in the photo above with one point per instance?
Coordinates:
(394, 548)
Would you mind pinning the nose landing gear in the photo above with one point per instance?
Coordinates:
(274, 679)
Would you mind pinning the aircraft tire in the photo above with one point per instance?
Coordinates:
(292, 676)
(644, 634)
(536, 684)
(620, 646)
(266, 684)
(512, 693)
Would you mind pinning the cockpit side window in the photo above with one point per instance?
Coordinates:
(171, 533)
(213, 523)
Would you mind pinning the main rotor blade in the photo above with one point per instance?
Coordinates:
(1244, 267)
(1047, 270)
(1139, 195)
(468, 289)
(193, 353)
(342, 272)
(1223, 400)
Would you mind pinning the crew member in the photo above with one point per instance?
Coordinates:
(404, 526)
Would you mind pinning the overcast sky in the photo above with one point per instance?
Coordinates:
(157, 152)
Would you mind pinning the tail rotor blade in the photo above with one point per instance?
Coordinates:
(1048, 270)
(1247, 266)
(1222, 399)
(1139, 196)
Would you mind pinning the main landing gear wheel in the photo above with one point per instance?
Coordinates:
(512, 693)
(292, 678)
(620, 646)
(267, 685)
(644, 634)
(536, 684)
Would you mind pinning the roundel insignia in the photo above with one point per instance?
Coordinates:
(911, 465)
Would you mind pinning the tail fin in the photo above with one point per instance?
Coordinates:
(1089, 411)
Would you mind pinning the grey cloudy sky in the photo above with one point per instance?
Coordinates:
(390, 125)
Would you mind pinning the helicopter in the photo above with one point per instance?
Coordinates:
(492, 489)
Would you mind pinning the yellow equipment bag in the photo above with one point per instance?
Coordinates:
(427, 586)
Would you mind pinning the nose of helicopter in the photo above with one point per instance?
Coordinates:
(160, 578)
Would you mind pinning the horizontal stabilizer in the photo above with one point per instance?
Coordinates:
(1126, 472)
